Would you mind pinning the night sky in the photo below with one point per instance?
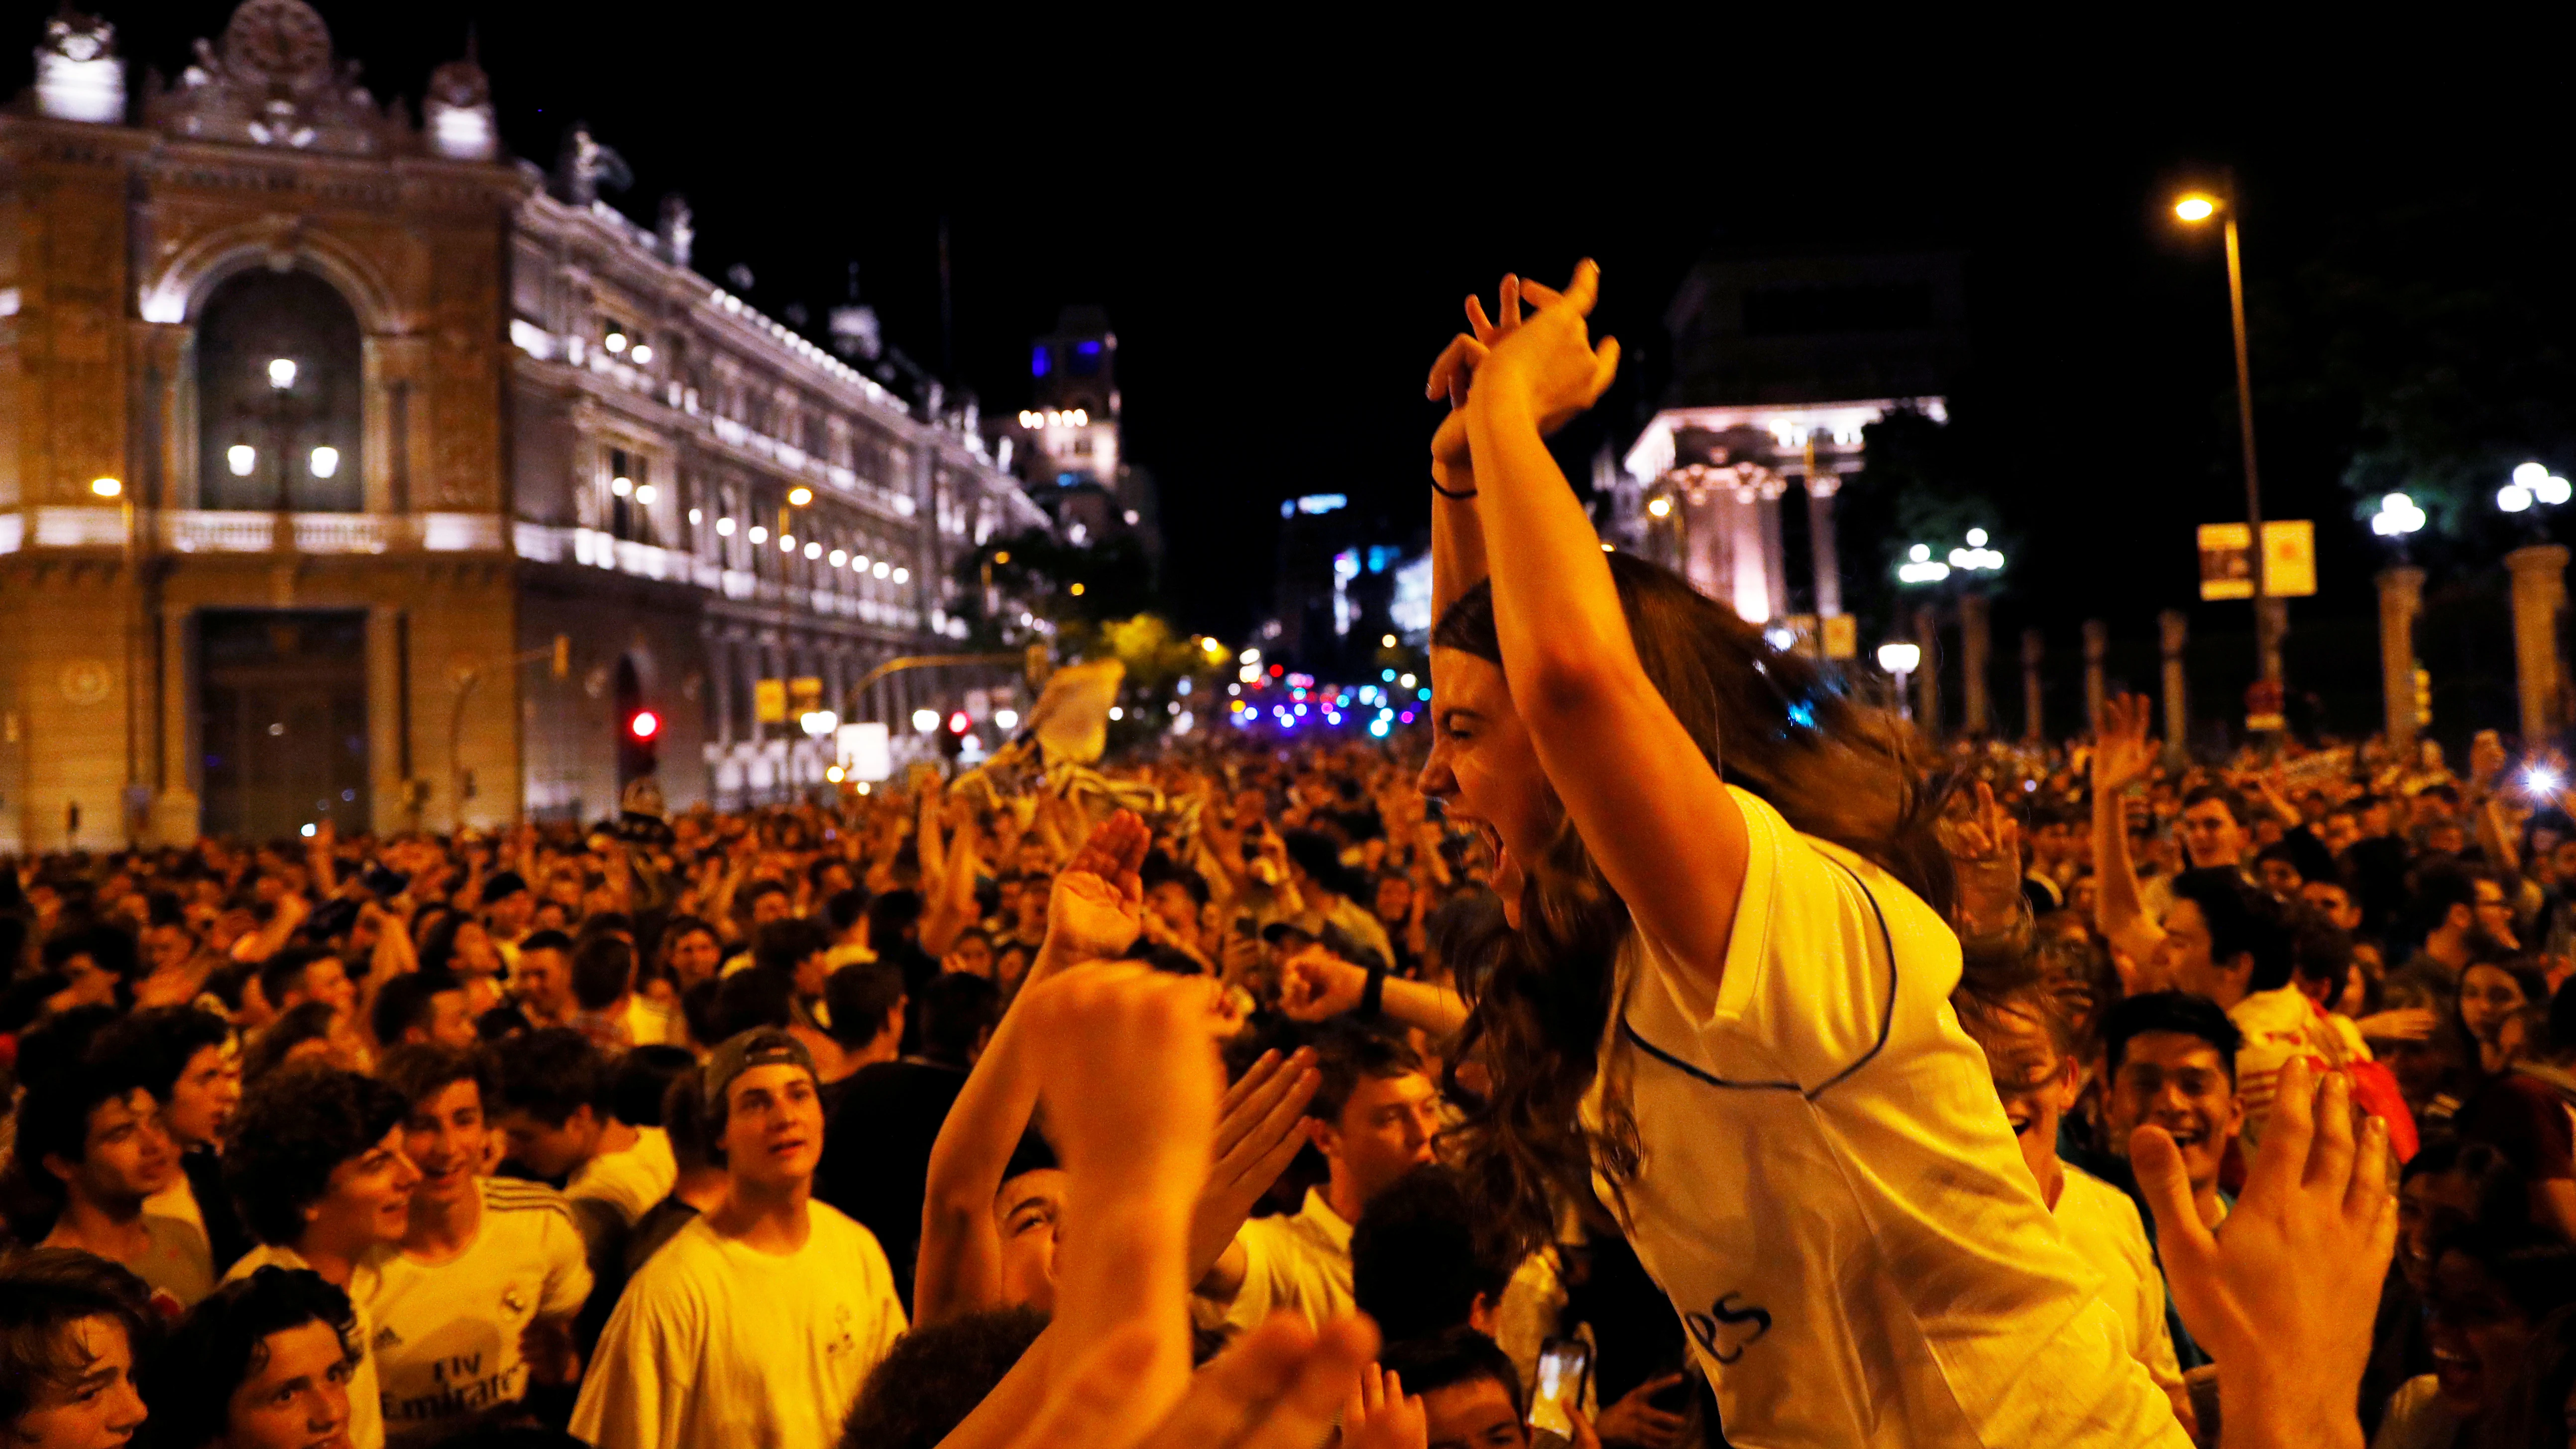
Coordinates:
(1281, 214)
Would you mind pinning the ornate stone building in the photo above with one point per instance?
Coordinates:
(318, 429)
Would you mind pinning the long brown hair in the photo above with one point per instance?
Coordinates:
(1792, 732)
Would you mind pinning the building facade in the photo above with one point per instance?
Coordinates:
(1780, 361)
(351, 472)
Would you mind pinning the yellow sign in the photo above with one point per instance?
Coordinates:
(769, 701)
(807, 691)
(2289, 560)
(1842, 636)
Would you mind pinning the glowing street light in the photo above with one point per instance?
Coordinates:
(1920, 567)
(1900, 659)
(281, 373)
(2194, 208)
(2397, 517)
(1660, 506)
(800, 495)
(106, 487)
(2532, 483)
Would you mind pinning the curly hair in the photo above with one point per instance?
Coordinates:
(294, 1126)
(1794, 735)
(935, 1376)
(190, 1383)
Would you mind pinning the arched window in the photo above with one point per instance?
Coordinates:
(279, 383)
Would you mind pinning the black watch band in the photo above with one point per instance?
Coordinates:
(1373, 995)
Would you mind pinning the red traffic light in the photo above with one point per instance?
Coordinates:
(959, 724)
(645, 724)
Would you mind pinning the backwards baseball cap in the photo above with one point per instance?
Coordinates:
(762, 1046)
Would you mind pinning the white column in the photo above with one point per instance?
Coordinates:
(1822, 485)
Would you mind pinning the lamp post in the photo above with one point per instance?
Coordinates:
(1900, 659)
(2539, 570)
(2401, 598)
(2195, 208)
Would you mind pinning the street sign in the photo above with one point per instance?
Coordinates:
(866, 750)
(2289, 560)
(806, 692)
(769, 701)
(1842, 636)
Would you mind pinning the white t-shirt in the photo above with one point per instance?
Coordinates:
(2417, 1418)
(1829, 1193)
(631, 1181)
(717, 1345)
(366, 1410)
(1300, 1262)
(447, 1339)
(2102, 1226)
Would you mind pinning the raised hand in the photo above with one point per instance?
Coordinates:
(1550, 356)
(1258, 1133)
(1096, 908)
(2308, 1243)
(1315, 984)
(1377, 1415)
(2122, 753)
(1636, 1420)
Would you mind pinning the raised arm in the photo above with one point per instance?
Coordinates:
(2122, 755)
(1648, 804)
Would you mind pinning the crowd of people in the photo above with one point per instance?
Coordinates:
(1662, 1047)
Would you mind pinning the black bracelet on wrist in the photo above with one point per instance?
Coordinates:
(1448, 493)
(1373, 995)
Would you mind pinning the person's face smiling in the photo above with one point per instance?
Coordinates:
(1485, 771)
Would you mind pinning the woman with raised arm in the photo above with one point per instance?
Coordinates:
(1724, 1003)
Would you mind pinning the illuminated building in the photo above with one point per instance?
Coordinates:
(1779, 362)
(319, 429)
(1070, 439)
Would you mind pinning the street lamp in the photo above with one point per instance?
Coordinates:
(1920, 567)
(2532, 483)
(1900, 659)
(2397, 517)
(2194, 208)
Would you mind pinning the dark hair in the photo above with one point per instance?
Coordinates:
(2178, 1012)
(407, 1001)
(500, 886)
(2535, 1271)
(305, 1021)
(1446, 1360)
(190, 1385)
(890, 915)
(934, 1377)
(1792, 734)
(154, 1045)
(784, 945)
(502, 1022)
(293, 1127)
(2242, 922)
(699, 1007)
(1348, 1052)
(43, 1292)
(1416, 1266)
(53, 1121)
(421, 1070)
(603, 969)
(284, 972)
(844, 909)
(2234, 802)
(2497, 1188)
(860, 996)
(2320, 951)
(958, 1011)
(644, 1077)
(684, 1120)
(2437, 890)
(755, 996)
(547, 940)
(553, 1072)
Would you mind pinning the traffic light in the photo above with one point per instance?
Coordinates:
(638, 745)
(2423, 698)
